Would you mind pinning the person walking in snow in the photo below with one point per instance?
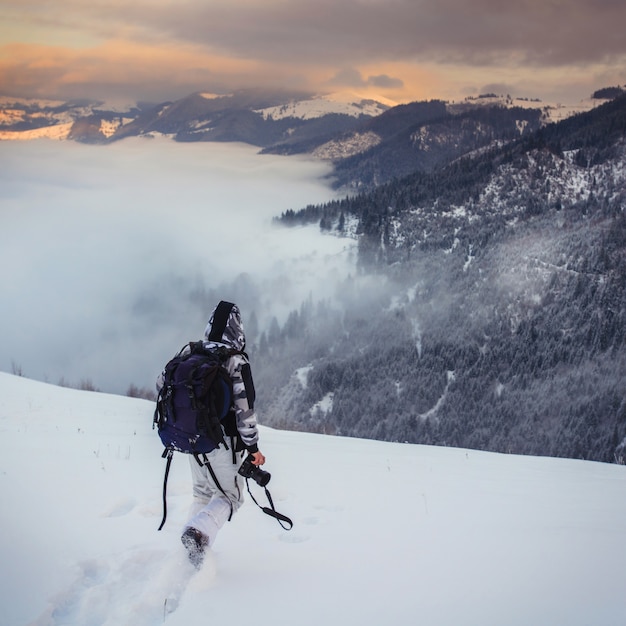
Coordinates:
(217, 486)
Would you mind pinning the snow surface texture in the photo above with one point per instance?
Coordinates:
(384, 533)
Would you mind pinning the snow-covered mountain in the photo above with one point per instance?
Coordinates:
(340, 103)
(26, 119)
(284, 121)
(254, 116)
(384, 533)
(551, 111)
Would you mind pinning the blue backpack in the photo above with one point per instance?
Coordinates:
(196, 397)
(193, 404)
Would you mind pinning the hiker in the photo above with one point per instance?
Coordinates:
(217, 486)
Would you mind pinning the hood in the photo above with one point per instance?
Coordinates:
(225, 326)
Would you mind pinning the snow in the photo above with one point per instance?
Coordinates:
(108, 128)
(324, 406)
(354, 143)
(470, 258)
(56, 131)
(434, 410)
(552, 111)
(302, 374)
(343, 103)
(384, 533)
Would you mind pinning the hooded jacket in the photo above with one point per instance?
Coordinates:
(225, 328)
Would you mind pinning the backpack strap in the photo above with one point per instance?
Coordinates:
(168, 453)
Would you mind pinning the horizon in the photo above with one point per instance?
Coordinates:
(123, 104)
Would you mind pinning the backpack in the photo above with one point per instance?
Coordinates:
(195, 399)
(193, 407)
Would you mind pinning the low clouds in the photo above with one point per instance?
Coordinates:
(111, 257)
(403, 49)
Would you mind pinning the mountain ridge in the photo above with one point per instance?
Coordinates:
(18, 115)
(193, 117)
(367, 141)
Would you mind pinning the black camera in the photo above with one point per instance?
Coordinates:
(249, 470)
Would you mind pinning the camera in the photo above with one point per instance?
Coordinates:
(249, 470)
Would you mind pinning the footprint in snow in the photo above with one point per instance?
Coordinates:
(140, 588)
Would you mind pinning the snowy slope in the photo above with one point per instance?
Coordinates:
(52, 119)
(56, 131)
(552, 111)
(345, 103)
(384, 533)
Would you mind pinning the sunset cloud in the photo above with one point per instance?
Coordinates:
(162, 48)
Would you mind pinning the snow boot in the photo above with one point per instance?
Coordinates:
(196, 543)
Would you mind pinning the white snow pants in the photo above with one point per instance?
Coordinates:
(211, 508)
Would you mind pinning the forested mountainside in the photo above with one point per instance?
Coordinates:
(489, 310)
(425, 135)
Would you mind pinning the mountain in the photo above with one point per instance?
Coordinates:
(258, 117)
(26, 119)
(421, 136)
(368, 141)
(514, 540)
(490, 309)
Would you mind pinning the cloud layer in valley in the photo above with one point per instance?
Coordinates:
(110, 257)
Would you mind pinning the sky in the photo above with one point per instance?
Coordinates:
(384, 533)
(109, 257)
(403, 50)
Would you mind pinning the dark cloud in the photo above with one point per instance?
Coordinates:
(550, 32)
(348, 77)
(352, 78)
(559, 32)
(403, 46)
(385, 82)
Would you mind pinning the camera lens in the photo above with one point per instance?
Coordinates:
(261, 477)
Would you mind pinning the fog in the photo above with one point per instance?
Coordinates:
(112, 256)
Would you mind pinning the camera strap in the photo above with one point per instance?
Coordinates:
(283, 520)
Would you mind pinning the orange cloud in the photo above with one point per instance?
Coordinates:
(121, 66)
